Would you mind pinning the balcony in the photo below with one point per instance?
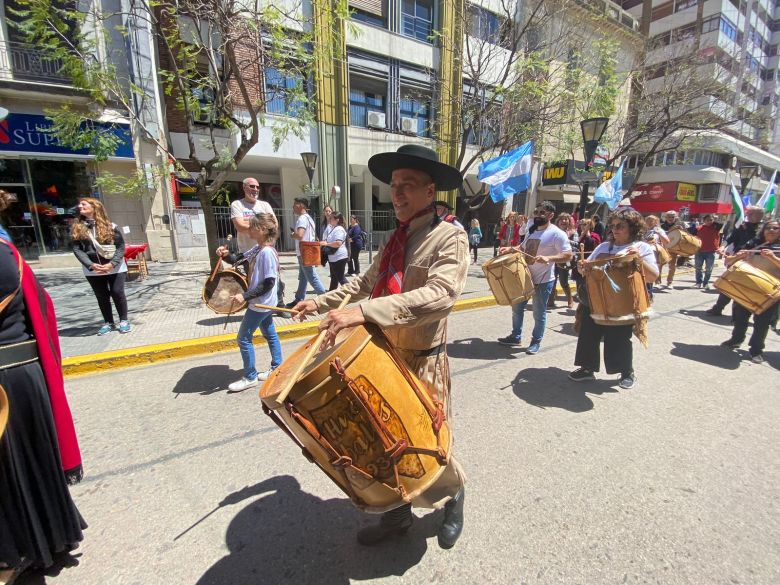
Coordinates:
(613, 12)
(25, 63)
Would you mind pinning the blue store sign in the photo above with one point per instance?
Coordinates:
(25, 133)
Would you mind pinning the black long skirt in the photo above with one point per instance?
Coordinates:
(38, 518)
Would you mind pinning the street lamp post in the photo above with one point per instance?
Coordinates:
(310, 163)
(592, 131)
(746, 174)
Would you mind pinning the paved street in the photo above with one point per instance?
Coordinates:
(676, 481)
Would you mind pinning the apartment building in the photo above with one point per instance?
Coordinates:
(736, 42)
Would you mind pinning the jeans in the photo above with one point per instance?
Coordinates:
(249, 324)
(107, 287)
(541, 295)
(307, 274)
(707, 259)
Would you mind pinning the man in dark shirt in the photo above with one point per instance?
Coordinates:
(737, 240)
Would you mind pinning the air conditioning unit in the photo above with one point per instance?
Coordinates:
(376, 120)
(409, 125)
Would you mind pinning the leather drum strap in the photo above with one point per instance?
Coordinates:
(3, 410)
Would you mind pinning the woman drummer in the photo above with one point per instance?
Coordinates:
(626, 230)
(768, 242)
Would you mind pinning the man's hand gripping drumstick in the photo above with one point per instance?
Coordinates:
(334, 321)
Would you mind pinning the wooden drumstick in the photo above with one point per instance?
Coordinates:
(582, 252)
(230, 312)
(270, 308)
(218, 267)
(315, 346)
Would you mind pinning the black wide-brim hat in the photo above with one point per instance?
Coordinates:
(419, 158)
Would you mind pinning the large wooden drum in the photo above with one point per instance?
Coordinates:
(3, 410)
(310, 253)
(219, 290)
(617, 291)
(749, 286)
(509, 278)
(682, 243)
(363, 418)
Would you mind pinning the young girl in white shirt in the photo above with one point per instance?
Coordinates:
(263, 282)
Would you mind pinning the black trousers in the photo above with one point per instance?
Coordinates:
(354, 259)
(722, 303)
(761, 325)
(337, 270)
(618, 350)
(475, 250)
(107, 287)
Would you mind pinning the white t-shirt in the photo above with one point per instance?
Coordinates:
(609, 249)
(334, 234)
(241, 209)
(304, 221)
(266, 266)
(550, 241)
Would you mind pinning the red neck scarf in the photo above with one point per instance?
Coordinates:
(391, 268)
(40, 311)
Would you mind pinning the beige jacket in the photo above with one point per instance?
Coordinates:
(436, 264)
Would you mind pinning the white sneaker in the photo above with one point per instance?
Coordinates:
(243, 384)
(263, 376)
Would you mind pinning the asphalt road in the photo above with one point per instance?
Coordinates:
(676, 481)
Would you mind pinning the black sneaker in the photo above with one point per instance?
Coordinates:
(627, 381)
(581, 375)
(714, 312)
(510, 341)
(291, 304)
(731, 344)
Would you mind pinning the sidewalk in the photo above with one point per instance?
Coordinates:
(167, 306)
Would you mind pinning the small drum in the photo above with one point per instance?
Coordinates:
(310, 253)
(662, 257)
(363, 418)
(509, 278)
(681, 243)
(219, 290)
(617, 291)
(749, 286)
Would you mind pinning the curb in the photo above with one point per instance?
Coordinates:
(150, 354)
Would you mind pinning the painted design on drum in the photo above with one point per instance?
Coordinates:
(350, 430)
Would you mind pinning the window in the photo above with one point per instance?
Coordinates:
(683, 4)
(662, 11)
(728, 28)
(709, 192)
(361, 103)
(710, 24)
(369, 18)
(282, 92)
(417, 19)
(419, 108)
(484, 25)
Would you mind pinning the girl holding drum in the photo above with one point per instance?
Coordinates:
(626, 228)
(768, 242)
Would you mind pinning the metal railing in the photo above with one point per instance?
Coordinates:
(27, 63)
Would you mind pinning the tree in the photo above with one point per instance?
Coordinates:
(214, 56)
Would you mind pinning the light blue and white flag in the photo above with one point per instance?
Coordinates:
(508, 174)
(611, 191)
(736, 206)
(768, 200)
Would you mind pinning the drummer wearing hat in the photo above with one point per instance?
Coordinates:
(443, 210)
(409, 291)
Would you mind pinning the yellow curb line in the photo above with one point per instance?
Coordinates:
(149, 354)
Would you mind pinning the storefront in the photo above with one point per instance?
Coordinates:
(47, 180)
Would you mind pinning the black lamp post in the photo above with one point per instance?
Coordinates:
(310, 163)
(592, 131)
(746, 174)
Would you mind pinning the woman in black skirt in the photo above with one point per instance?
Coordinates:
(39, 453)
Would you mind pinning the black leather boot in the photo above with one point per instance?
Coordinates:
(452, 525)
(395, 522)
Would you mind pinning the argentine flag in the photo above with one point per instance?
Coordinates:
(736, 206)
(768, 200)
(611, 191)
(508, 174)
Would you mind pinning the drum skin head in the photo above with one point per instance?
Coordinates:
(219, 292)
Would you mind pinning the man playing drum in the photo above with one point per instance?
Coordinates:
(411, 288)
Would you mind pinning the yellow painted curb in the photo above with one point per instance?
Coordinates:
(149, 354)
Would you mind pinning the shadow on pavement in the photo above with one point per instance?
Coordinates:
(290, 536)
(473, 348)
(82, 330)
(210, 322)
(551, 388)
(205, 380)
(773, 359)
(38, 576)
(713, 355)
(567, 329)
(715, 319)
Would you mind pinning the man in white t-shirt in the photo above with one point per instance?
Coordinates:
(544, 247)
(305, 231)
(242, 210)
